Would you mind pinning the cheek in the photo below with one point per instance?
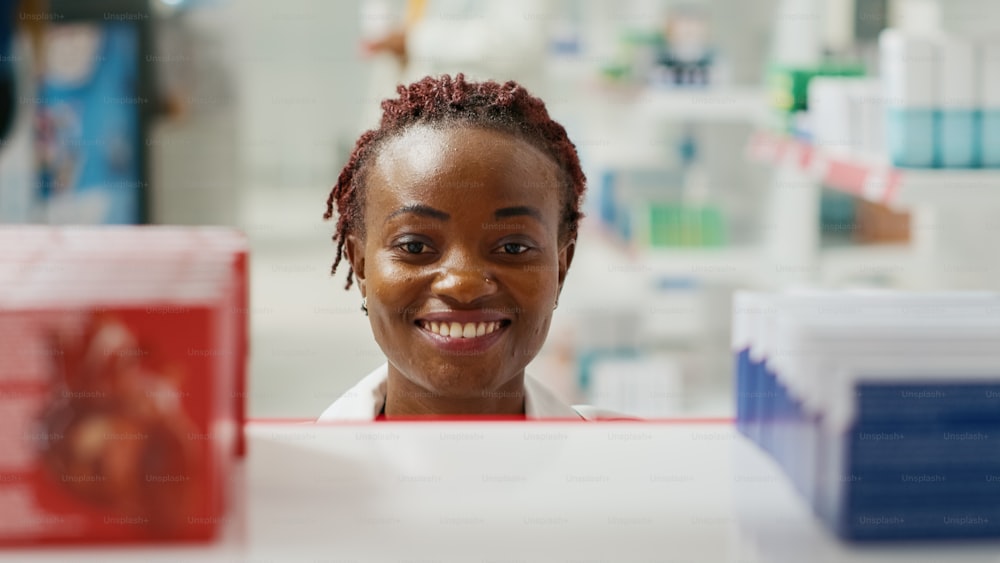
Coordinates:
(391, 288)
(536, 293)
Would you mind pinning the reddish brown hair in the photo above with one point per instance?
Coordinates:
(506, 107)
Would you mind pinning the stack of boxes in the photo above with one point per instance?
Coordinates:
(883, 408)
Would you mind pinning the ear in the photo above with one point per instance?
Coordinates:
(355, 248)
(565, 259)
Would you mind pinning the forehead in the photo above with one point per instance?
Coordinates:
(461, 165)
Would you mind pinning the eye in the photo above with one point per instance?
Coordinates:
(515, 248)
(413, 247)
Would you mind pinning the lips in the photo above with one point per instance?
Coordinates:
(463, 331)
(455, 329)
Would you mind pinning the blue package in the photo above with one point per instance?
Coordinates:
(921, 461)
(756, 403)
(958, 138)
(911, 135)
(743, 366)
(989, 134)
(88, 126)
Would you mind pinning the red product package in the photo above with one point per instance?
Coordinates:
(117, 383)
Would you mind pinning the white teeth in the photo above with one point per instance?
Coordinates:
(459, 330)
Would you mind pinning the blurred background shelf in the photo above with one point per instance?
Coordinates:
(873, 178)
(711, 105)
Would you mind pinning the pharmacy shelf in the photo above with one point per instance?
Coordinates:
(722, 105)
(709, 105)
(747, 266)
(651, 105)
(621, 125)
(507, 491)
(724, 264)
(893, 264)
(872, 177)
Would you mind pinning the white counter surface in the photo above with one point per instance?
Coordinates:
(516, 492)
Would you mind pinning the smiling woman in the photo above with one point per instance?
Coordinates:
(458, 216)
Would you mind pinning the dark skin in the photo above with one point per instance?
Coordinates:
(435, 245)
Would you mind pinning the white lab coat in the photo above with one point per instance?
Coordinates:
(364, 401)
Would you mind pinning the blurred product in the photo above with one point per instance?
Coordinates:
(788, 86)
(88, 126)
(662, 208)
(941, 91)
(930, 108)
(957, 142)
(498, 40)
(883, 408)
(677, 53)
(123, 382)
(989, 85)
(909, 65)
(878, 224)
(688, 58)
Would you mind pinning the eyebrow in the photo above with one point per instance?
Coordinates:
(502, 213)
(518, 211)
(422, 210)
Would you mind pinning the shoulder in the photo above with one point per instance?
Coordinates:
(588, 412)
(361, 402)
(541, 402)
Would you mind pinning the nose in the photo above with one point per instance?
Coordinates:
(464, 280)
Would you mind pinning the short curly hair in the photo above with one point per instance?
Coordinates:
(507, 107)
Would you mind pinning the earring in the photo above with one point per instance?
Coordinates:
(556, 306)
(364, 305)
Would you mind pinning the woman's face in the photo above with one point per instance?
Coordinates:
(460, 262)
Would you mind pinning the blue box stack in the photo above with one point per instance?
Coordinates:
(882, 407)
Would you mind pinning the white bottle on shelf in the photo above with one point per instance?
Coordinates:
(958, 100)
(909, 78)
(828, 108)
(989, 98)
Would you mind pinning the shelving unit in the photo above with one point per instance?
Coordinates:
(713, 264)
(560, 491)
(954, 212)
(644, 110)
(872, 177)
(705, 105)
(726, 105)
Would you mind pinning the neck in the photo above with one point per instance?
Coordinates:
(404, 398)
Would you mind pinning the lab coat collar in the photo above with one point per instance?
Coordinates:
(364, 401)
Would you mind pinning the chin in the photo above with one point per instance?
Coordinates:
(461, 382)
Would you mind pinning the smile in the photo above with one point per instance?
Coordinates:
(456, 329)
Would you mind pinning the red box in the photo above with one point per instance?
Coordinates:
(121, 352)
